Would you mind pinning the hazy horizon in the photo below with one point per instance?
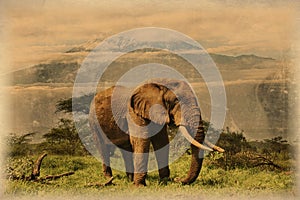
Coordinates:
(36, 31)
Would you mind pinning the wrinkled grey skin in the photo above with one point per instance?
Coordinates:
(180, 109)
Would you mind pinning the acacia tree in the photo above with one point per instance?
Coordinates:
(63, 139)
(80, 104)
(276, 146)
(19, 145)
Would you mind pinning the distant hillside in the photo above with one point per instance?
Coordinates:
(273, 94)
(60, 71)
(242, 62)
(54, 72)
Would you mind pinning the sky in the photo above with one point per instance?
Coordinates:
(34, 31)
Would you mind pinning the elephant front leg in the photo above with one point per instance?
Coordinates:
(160, 143)
(128, 161)
(140, 157)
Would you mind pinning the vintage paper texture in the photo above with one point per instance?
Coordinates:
(254, 44)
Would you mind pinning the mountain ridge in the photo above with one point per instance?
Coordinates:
(64, 71)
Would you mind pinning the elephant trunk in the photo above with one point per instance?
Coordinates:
(195, 168)
(197, 158)
(187, 116)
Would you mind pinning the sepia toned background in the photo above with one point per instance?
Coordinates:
(254, 45)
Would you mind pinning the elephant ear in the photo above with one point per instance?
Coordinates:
(147, 102)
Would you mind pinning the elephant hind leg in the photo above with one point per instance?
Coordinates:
(106, 169)
(105, 157)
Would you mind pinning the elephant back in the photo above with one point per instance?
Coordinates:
(172, 84)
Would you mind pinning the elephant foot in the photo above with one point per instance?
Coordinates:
(129, 176)
(139, 179)
(107, 172)
(140, 183)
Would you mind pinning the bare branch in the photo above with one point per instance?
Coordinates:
(37, 165)
(53, 177)
(36, 171)
(108, 182)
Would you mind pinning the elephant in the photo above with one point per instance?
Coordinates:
(157, 103)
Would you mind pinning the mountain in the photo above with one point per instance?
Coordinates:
(64, 71)
(86, 47)
(242, 62)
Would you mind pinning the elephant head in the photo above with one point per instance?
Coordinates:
(171, 102)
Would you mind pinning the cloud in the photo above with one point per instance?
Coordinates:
(41, 31)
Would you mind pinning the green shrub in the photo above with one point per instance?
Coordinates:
(18, 168)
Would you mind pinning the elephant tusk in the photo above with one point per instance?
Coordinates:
(192, 140)
(214, 147)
